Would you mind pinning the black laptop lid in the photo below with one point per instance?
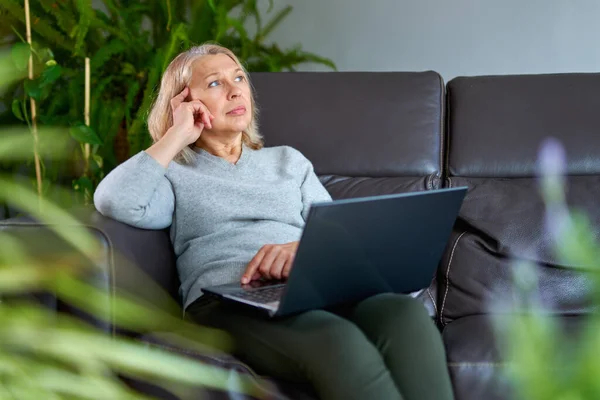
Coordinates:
(352, 249)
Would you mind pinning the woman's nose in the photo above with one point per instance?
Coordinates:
(234, 91)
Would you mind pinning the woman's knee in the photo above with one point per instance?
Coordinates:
(344, 364)
(337, 336)
(391, 311)
(339, 345)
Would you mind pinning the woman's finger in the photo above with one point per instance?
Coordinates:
(267, 262)
(287, 268)
(278, 265)
(252, 267)
(177, 100)
(201, 109)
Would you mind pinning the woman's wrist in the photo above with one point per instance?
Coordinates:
(165, 150)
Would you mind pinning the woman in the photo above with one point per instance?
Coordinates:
(236, 212)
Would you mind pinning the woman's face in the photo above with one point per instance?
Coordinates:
(222, 86)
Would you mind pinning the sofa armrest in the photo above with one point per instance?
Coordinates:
(143, 261)
(135, 262)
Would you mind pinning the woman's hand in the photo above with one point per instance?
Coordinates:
(189, 120)
(273, 261)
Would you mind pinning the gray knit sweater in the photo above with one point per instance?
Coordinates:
(220, 213)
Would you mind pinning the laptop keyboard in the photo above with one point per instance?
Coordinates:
(263, 295)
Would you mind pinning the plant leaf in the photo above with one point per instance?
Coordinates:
(20, 53)
(63, 223)
(65, 20)
(98, 160)
(32, 88)
(41, 26)
(17, 143)
(86, 13)
(50, 74)
(132, 93)
(84, 134)
(45, 55)
(16, 109)
(272, 24)
(8, 71)
(106, 52)
(83, 184)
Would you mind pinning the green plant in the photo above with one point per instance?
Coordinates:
(129, 43)
(544, 362)
(49, 355)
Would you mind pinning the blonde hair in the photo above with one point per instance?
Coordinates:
(178, 75)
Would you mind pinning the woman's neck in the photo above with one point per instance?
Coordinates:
(231, 150)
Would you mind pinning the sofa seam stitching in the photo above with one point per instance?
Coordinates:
(448, 278)
(432, 301)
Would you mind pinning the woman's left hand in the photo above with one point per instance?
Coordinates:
(273, 261)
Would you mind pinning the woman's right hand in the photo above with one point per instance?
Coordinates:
(189, 118)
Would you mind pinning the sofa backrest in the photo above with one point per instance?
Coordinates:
(496, 125)
(366, 133)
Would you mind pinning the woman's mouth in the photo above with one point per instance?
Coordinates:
(241, 110)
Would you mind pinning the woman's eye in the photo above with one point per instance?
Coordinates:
(213, 84)
(239, 78)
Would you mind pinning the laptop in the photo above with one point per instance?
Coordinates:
(352, 249)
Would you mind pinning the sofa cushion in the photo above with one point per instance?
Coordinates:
(502, 222)
(345, 187)
(359, 124)
(496, 123)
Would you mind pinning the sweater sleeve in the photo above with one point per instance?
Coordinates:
(137, 193)
(312, 189)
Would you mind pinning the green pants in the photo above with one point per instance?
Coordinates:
(385, 347)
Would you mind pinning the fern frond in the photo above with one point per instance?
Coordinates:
(109, 116)
(238, 26)
(203, 21)
(272, 24)
(305, 57)
(39, 25)
(221, 25)
(177, 39)
(64, 19)
(137, 128)
(251, 9)
(86, 13)
(98, 90)
(105, 53)
(75, 92)
(103, 22)
(112, 9)
(132, 93)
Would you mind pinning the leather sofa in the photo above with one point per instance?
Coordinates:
(372, 133)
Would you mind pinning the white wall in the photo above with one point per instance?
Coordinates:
(452, 37)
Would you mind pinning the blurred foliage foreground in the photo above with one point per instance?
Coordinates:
(543, 360)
